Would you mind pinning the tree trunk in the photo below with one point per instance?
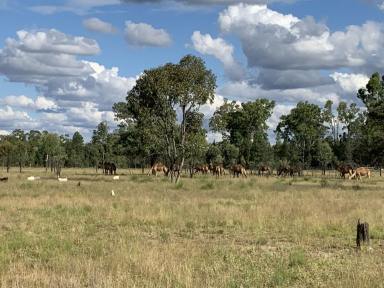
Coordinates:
(8, 163)
(183, 132)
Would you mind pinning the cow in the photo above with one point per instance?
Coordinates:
(264, 169)
(158, 167)
(292, 170)
(344, 169)
(283, 170)
(238, 170)
(204, 169)
(108, 168)
(218, 170)
(359, 172)
(295, 170)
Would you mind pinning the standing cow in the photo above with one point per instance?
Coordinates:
(238, 170)
(158, 167)
(360, 172)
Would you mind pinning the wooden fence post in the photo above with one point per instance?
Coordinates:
(362, 233)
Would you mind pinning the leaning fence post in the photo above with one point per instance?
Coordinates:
(362, 233)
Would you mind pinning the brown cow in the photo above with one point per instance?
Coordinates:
(158, 167)
(204, 169)
(218, 170)
(359, 172)
(238, 170)
(264, 170)
(344, 169)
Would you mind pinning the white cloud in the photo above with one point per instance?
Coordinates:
(143, 34)
(73, 93)
(9, 114)
(350, 83)
(97, 25)
(221, 50)
(381, 6)
(22, 101)
(276, 41)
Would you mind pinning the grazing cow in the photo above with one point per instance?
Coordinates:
(4, 179)
(264, 169)
(204, 169)
(108, 168)
(344, 169)
(218, 170)
(359, 172)
(238, 170)
(295, 170)
(158, 167)
(289, 170)
(283, 171)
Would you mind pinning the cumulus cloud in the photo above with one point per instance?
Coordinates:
(73, 92)
(143, 34)
(221, 50)
(22, 101)
(350, 83)
(276, 41)
(96, 25)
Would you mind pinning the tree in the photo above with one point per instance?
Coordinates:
(76, 150)
(213, 154)
(373, 98)
(19, 139)
(157, 97)
(302, 129)
(324, 154)
(100, 151)
(244, 126)
(6, 149)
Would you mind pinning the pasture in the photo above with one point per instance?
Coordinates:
(202, 232)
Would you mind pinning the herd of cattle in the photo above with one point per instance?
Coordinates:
(263, 170)
(238, 170)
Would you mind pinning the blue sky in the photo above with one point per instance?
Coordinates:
(64, 63)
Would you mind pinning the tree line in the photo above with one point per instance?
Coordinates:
(160, 121)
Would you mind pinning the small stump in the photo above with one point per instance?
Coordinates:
(362, 233)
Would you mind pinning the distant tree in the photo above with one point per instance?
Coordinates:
(100, 149)
(242, 125)
(6, 150)
(230, 153)
(162, 92)
(35, 157)
(19, 139)
(213, 155)
(302, 129)
(324, 155)
(76, 155)
(373, 98)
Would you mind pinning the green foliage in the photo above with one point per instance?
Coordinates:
(302, 129)
(245, 127)
(156, 97)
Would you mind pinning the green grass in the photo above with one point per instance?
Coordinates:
(201, 232)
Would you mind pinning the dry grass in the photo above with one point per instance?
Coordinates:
(255, 232)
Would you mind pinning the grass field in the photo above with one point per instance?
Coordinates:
(202, 232)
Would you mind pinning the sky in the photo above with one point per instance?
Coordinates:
(64, 63)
